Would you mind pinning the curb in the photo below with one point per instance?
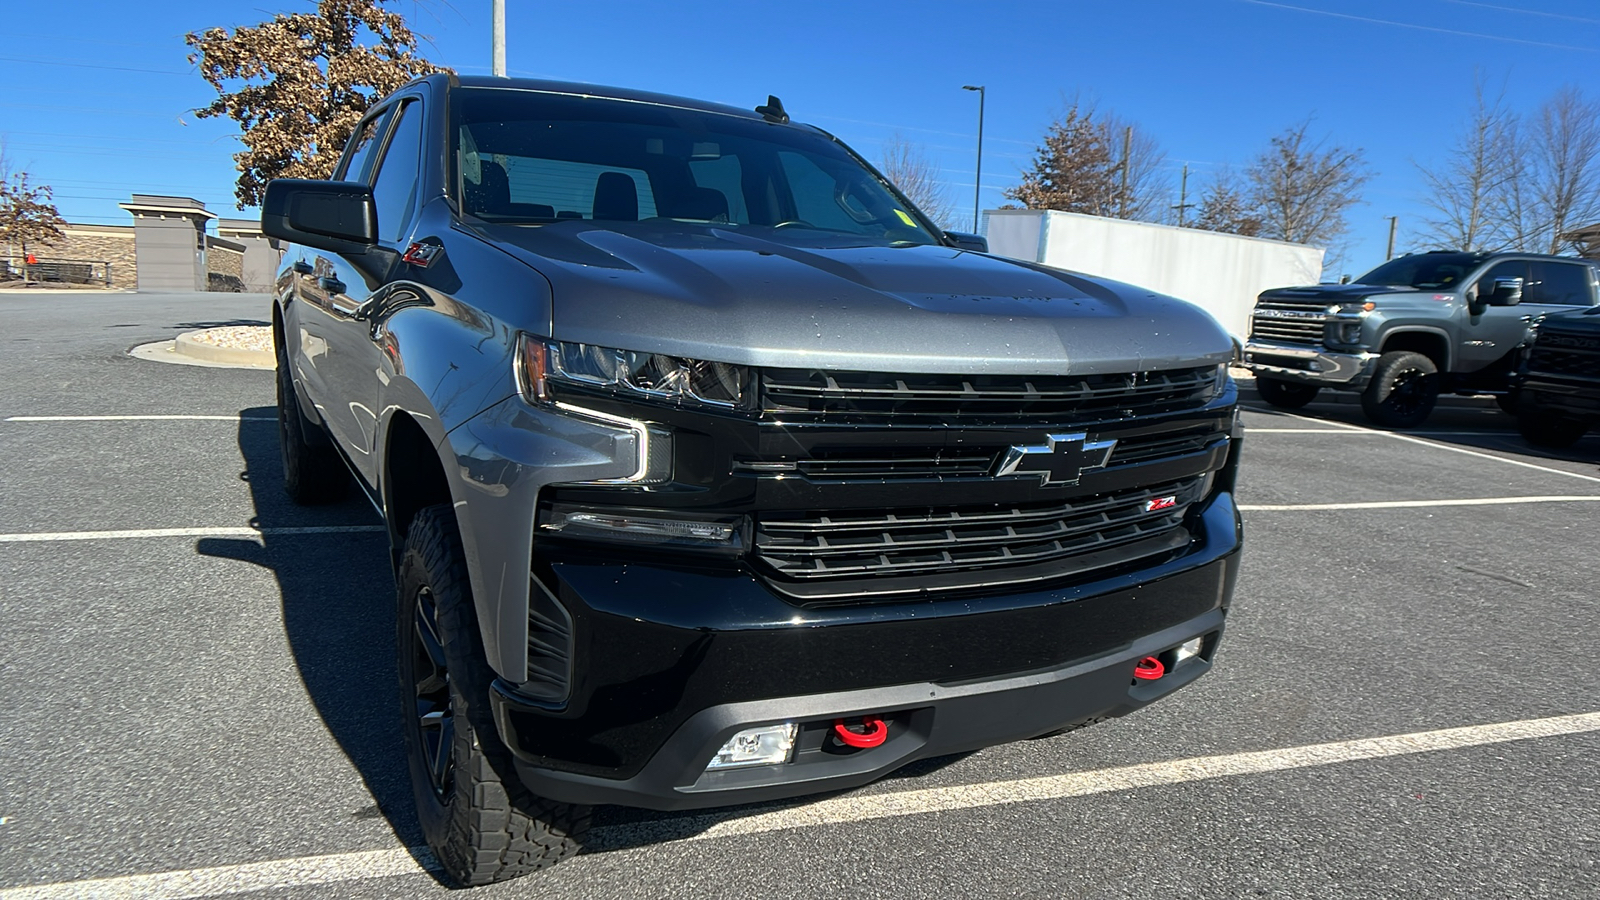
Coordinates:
(187, 345)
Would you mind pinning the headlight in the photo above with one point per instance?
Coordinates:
(672, 379)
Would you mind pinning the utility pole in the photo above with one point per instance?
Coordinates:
(1393, 221)
(498, 63)
(1183, 195)
(1122, 192)
(977, 187)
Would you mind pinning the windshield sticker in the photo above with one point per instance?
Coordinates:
(906, 218)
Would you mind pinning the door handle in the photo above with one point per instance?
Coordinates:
(1527, 318)
(331, 285)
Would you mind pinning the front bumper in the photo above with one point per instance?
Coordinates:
(1309, 365)
(662, 685)
(1569, 398)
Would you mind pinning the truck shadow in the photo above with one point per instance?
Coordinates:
(337, 594)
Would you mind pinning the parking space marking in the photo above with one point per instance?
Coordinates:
(1435, 445)
(1415, 504)
(1250, 430)
(32, 537)
(341, 867)
(233, 418)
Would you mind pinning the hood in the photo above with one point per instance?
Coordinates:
(1339, 293)
(803, 299)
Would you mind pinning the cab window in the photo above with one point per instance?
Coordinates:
(1560, 284)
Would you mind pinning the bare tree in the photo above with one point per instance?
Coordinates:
(1303, 188)
(27, 212)
(1094, 163)
(297, 85)
(1566, 149)
(1466, 187)
(1225, 206)
(910, 170)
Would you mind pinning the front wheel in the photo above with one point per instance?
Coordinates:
(481, 821)
(1285, 394)
(1548, 431)
(1403, 389)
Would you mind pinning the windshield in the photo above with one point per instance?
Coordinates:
(1424, 270)
(531, 157)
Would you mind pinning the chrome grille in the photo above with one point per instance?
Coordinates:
(1289, 321)
(972, 541)
(1058, 399)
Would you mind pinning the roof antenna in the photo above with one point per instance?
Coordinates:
(773, 111)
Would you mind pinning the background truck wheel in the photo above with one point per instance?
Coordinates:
(482, 823)
(1507, 402)
(313, 473)
(1550, 431)
(1403, 389)
(1285, 394)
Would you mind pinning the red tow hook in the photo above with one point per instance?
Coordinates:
(1149, 669)
(874, 732)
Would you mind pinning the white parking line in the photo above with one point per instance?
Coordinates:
(343, 867)
(1412, 504)
(43, 536)
(1342, 426)
(233, 418)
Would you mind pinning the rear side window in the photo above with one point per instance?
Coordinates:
(1561, 284)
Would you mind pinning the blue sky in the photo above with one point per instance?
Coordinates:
(96, 97)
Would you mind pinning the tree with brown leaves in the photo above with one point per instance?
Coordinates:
(27, 213)
(297, 85)
(1302, 188)
(1224, 207)
(1093, 163)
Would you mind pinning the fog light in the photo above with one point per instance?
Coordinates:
(1190, 648)
(768, 745)
(625, 525)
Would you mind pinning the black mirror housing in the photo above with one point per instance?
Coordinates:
(964, 241)
(337, 216)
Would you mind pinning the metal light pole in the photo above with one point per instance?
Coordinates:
(498, 63)
(978, 187)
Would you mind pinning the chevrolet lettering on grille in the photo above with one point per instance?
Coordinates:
(1060, 460)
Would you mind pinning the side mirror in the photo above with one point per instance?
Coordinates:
(964, 241)
(1506, 292)
(337, 216)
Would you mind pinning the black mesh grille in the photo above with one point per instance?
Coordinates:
(973, 541)
(1055, 398)
(1560, 354)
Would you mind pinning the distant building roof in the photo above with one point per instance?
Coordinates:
(147, 204)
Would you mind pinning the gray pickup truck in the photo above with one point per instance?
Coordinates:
(714, 472)
(1413, 328)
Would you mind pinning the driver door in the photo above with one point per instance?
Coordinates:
(1495, 330)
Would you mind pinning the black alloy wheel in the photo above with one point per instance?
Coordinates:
(1403, 390)
(430, 686)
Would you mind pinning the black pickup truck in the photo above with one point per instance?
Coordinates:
(714, 472)
(1558, 383)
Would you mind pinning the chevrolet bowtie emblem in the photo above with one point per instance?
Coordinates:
(1060, 460)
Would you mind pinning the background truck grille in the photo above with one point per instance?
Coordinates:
(1055, 398)
(1289, 321)
(975, 542)
(1558, 354)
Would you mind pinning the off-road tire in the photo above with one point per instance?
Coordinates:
(1404, 387)
(1507, 402)
(483, 824)
(313, 473)
(1285, 394)
(1552, 432)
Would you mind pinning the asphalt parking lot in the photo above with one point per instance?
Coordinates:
(198, 693)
